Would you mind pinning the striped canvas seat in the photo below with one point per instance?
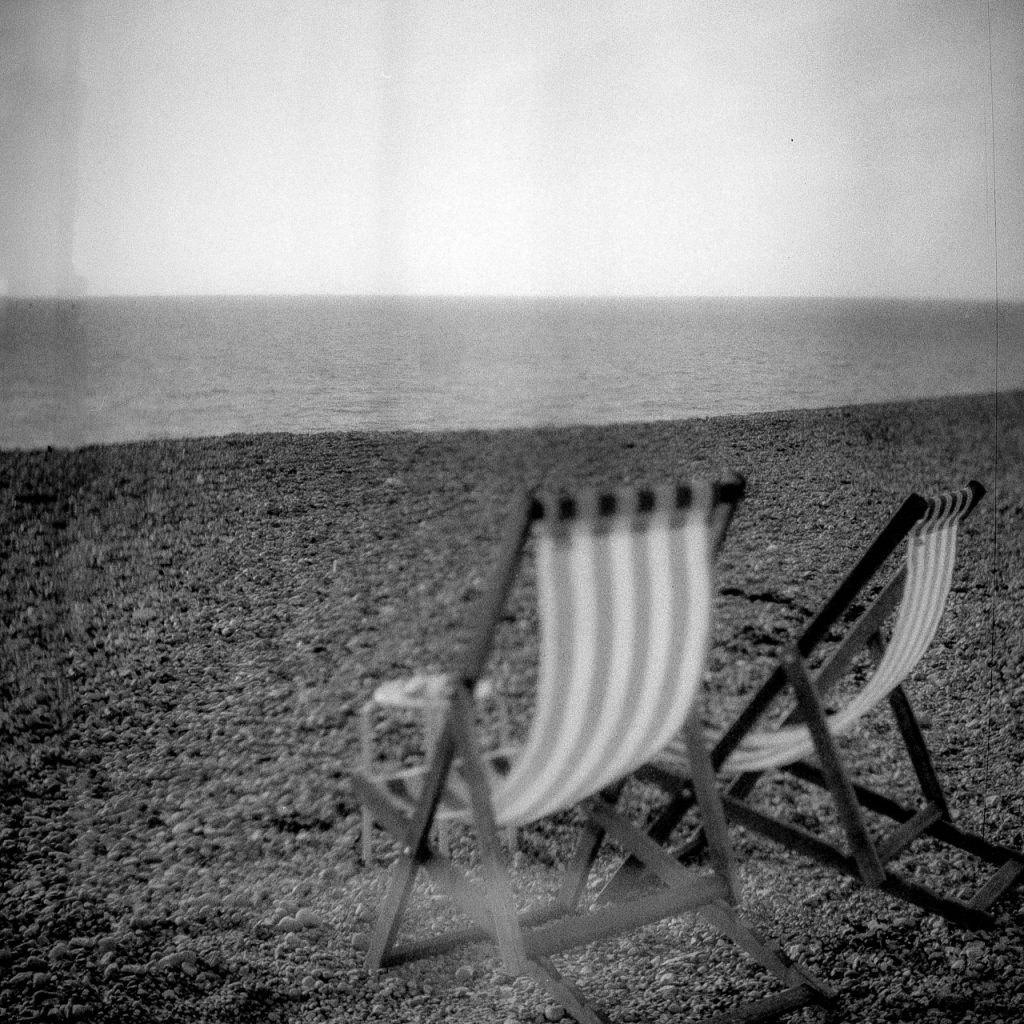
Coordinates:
(909, 609)
(925, 581)
(624, 590)
(624, 595)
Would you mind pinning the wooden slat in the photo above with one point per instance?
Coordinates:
(958, 911)
(868, 798)
(869, 563)
(786, 834)
(577, 871)
(765, 953)
(434, 945)
(997, 883)
(565, 992)
(993, 853)
(836, 776)
(942, 829)
(900, 838)
(497, 887)
(654, 857)
(561, 506)
(720, 852)
(860, 632)
(769, 1007)
(390, 917)
(920, 756)
(488, 611)
(620, 917)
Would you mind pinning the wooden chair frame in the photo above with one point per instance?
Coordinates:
(864, 858)
(527, 941)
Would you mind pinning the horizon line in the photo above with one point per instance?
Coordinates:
(515, 296)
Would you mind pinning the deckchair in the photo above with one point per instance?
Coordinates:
(624, 587)
(805, 746)
(419, 696)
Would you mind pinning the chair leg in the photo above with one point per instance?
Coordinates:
(920, 757)
(366, 764)
(367, 836)
(498, 886)
(712, 814)
(847, 806)
(631, 876)
(766, 953)
(563, 991)
(578, 870)
(386, 928)
(505, 741)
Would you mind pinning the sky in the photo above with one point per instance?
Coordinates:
(787, 147)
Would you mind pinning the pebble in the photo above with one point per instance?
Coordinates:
(208, 741)
(307, 918)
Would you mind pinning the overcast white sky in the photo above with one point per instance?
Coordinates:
(784, 147)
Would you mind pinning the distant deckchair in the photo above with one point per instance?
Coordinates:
(913, 602)
(624, 583)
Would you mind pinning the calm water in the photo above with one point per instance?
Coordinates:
(99, 370)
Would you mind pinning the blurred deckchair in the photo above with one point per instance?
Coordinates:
(912, 602)
(624, 583)
(421, 696)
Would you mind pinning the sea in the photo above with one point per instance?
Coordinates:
(77, 372)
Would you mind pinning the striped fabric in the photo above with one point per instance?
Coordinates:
(624, 584)
(931, 554)
(624, 589)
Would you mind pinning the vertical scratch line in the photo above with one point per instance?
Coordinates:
(995, 489)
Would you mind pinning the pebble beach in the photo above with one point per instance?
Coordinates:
(188, 629)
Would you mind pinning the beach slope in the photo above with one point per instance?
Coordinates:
(188, 628)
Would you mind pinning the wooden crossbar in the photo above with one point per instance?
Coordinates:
(901, 837)
(959, 912)
(788, 834)
(941, 829)
(435, 945)
(565, 507)
(998, 882)
(613, 919)
(769, 1007)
